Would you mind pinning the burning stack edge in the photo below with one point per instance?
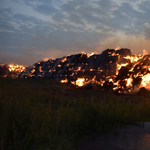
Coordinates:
(118, 70)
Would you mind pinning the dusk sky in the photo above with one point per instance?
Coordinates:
(35, 30)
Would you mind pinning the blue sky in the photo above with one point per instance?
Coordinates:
(31, 31)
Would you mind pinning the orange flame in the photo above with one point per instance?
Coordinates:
(64, 81)
(16, 68)
(146, 80)
(89, 55)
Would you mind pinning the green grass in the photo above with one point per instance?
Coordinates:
(47, 115)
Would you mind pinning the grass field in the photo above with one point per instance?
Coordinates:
(46, 115)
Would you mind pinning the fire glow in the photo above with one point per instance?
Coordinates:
(116, 68)
(11, 70)
(16, 68)
(79, 82)
(146, 80)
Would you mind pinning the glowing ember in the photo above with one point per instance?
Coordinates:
(17, 68)
(134, 59)
(129, 82)
(89, 55)
(11, 70)
(79, 82)
(146, 80)
(64, 59)
(64, 81)
(121, 65)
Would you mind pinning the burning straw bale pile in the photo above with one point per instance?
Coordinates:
(118, 70)
(73, 67)
(10, 70)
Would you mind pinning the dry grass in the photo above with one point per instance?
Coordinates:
(44, 114)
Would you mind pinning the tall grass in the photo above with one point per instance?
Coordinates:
(46, 115)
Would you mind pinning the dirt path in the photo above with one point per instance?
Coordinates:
(130, 137)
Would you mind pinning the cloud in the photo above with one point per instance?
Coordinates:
(46, 9)
(147, 33)
(52, 27)
(145, 6)
(86, 15)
